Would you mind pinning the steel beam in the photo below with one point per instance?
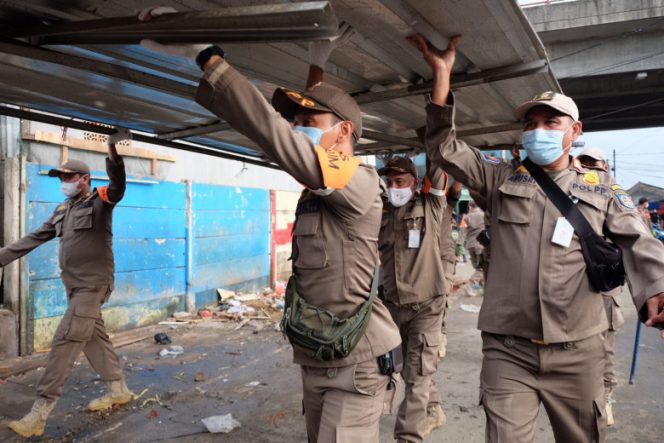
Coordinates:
(260, 23)
(457, 81)
(198, 130)
(85, 126)
(19, 49)
(489, 129)
(379, 136)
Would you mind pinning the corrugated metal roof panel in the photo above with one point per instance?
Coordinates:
(152, 92)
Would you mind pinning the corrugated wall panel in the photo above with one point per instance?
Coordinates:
(231, 239)
(230, 249)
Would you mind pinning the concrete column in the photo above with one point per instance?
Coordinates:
(11, 231)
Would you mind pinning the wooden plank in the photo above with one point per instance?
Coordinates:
(21, 365)
(96, 146)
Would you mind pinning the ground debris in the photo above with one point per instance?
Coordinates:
(221, 423)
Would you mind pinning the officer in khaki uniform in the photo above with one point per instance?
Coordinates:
(541, 320)
(448, 256)
(475, 222)
(413, 288)
(593, 158)
(84, 225)
(335, 234)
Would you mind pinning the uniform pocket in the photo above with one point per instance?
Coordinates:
(599, 407)
(309, 241)
(367, 379)
(515, 203)
(617, 319)
(429, 355)
(58, 220)
(82, 323)
(82, 218)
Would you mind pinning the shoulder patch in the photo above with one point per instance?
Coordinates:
(103, 193)
(337, 168)
(61, 207)
(491, 159)
(616, 187)
(625, 200)
(591, 178)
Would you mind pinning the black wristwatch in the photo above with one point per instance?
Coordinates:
(205, 54)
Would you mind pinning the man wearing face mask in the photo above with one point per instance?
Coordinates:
(83, 223)
(335, 240)
(541, 320)
(414, 288)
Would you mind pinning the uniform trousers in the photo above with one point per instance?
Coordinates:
(477, 258)
(616, 321)
(517, 375)
(343, 405)
(419, 325)
(449, 269)
(81, 329)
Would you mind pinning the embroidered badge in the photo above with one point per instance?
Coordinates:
(625, 200)
(591, 178)
(616, 187)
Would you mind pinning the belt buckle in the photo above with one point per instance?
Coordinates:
(538, 342)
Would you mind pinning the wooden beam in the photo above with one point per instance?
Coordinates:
(96, 146)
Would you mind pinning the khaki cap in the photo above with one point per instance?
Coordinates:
(70, 167)
(595, 153)
(400, 165)
(551, 99)
(321, 97)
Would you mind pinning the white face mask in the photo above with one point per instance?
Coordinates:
(69, 189)
(399, 196)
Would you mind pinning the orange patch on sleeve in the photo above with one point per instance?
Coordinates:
(337, 168)
(103, 193)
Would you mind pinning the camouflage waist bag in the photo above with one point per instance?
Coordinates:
(327, 336)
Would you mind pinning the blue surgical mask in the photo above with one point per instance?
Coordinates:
(543, 146)
(310, 131)
(313, 132)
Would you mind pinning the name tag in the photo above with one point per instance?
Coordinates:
(563, 233)
(413, 238)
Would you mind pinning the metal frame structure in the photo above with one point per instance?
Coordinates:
(387, 77)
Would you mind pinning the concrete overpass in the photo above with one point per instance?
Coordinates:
(608, 55)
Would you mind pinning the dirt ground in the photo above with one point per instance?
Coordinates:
(251, 376)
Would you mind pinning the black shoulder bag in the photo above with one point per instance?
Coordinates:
(603, 259)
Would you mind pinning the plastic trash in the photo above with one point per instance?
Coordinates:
(173, 351)
(162, 339)
(470, 308)
(221, 423)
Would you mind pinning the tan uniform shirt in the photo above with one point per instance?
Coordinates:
(475, 223)
(537, 289)
(335, 235)
(409, 271)
(85, 228)
(447, 248)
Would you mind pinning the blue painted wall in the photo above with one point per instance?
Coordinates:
(231, 247)
(231, 235)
